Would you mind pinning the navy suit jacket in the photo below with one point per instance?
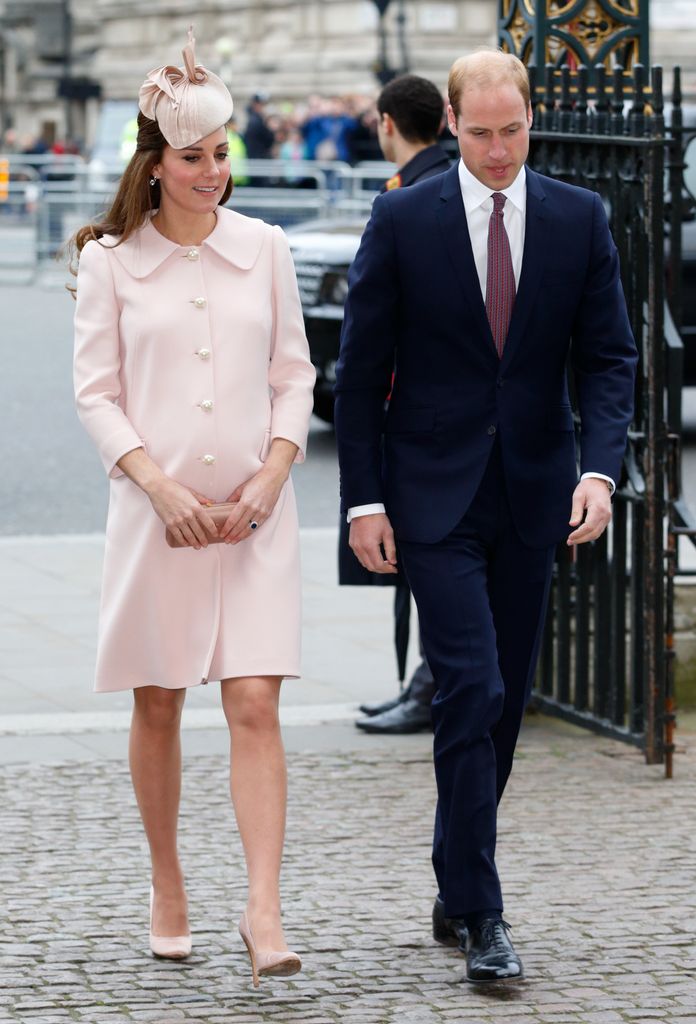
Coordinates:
(415, 303)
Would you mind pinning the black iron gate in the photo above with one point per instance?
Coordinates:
(606, 655)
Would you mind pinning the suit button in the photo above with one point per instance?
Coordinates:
(199, 303)
(209, 459)
(491, 430)
(203, 353)
(206, 405)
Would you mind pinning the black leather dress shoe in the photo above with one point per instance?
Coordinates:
(448, 931)
(411, 716)
(490, 955)
(386, 705)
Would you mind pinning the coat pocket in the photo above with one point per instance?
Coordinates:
(265, 445)
(560, 418)
(406, 420)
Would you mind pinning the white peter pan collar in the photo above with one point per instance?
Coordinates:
(236, 238)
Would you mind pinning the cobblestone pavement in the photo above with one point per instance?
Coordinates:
(597, 852)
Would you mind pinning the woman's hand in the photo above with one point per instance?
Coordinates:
(257, 497)
(183, 512)
(181, 509)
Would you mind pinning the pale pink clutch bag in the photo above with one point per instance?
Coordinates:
(218, 513)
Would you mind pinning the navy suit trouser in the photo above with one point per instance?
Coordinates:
(482, 596)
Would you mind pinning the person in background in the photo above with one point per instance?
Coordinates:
(237, 153)
(410, 111)
(292, 152)
(10, 143)
(129, 139)
(258, 137)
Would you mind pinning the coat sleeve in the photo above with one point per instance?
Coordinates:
(604, 357)
(291, 374)
(366, 361)
(97, 360)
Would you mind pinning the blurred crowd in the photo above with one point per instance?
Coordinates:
(320, 128)
(31, 145)
(335, 128)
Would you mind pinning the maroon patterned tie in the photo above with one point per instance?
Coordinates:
(500, 278)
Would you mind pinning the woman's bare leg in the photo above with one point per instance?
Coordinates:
(258, 785)
(155, 763)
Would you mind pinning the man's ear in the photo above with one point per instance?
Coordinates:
(388, 124)
(530, 116)
(451, 119)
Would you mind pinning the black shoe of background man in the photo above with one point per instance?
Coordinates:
(411, 716)
(386, 705)
(490, 955)
(448, 931)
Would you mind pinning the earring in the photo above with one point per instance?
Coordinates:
(153, 181)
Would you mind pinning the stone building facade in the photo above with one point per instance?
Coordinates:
(290, 49)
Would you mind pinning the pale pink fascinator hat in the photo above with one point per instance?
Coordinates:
(187, 103)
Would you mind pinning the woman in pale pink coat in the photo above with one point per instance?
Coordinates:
(193, 379)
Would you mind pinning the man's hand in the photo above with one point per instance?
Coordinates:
(367, 533)
(591, 496)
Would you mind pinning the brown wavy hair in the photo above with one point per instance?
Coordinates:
(135, 197)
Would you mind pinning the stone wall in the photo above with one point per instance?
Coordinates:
(290, 49)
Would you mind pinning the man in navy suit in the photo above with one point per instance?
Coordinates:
(480, 286)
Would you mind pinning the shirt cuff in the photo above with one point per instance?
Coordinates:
(364, 510)
(600, 476)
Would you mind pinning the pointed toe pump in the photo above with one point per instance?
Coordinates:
(265, 962)
(168, 947)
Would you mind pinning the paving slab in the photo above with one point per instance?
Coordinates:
(596, 851)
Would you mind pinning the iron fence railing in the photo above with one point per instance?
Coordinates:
(607, 651)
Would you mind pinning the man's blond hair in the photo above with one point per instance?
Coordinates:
(486, 69)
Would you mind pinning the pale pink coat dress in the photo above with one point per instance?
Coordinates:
(199, 355)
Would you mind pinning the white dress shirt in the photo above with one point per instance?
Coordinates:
(478, 206)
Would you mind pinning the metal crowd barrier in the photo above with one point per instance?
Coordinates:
(45, 198)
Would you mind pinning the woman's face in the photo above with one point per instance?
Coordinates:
(192, 180)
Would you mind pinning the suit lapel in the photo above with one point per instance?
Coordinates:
(455, 231)
(533, 264)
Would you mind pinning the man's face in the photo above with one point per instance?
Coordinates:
(493, 133)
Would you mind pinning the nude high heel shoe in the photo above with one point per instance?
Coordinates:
(267, 962)
(168, 947)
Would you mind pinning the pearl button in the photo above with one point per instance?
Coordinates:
(207, 405)
(192, 254)
(199, 303)
(209, 459)
(204, 353)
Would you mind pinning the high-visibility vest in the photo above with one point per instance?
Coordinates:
(129, 139)
(4, 180)
(238, 156)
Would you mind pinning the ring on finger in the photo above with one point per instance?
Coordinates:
(253, 525)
